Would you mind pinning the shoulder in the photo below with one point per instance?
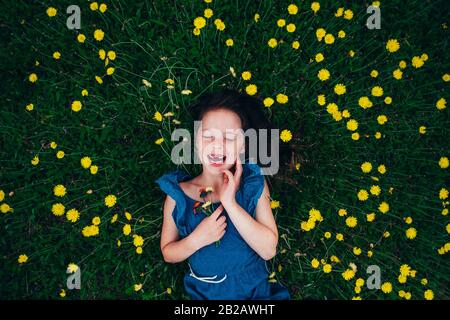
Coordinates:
(253, 184)
(169, 183)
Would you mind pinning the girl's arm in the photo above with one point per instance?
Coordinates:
(208, 231)
(172, 250)
(261, 234)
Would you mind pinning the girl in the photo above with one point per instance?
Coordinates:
(228, 248)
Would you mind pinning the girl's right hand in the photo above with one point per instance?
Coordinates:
(210, 229)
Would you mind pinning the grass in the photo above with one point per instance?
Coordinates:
(153, 41)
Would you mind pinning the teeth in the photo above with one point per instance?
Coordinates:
(216, 159)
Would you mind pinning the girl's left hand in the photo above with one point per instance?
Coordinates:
(231, 184)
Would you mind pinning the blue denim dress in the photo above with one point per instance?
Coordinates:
(231, 270)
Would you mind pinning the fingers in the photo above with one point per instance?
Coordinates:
(228, 174)
(221, 220)
(238, 173)
(217, 212)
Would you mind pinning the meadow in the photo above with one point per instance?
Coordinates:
(87, 114)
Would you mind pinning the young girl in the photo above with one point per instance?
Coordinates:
(227, 249)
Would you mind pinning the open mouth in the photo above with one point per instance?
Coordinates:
(216, 158)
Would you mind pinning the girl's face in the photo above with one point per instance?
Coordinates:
(220, 139)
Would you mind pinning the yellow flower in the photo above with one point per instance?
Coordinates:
(365, 103)
(319, 57)
(377, 91)
(327, 235)
(329, 38)
(30, 107)
(62, 293)
(327, 268)
(381, 169)
(402, 64)
(375, 190)
(246, 75)
(443, 162)
(320, 33)
(315, 6)
(348, 274)
(110, 71)
(383, 207)
(348, 14)
(392, 45)
(292, 9)
(295, 45)
(256, 17)
(99, 34)
(286, 135)
(139, 250)
(341, 34)
(339, 237)
(340, 89)
(446, 77)
(114, 218)
(357, 251)
(398, 74)
(370, 217)
(35, 161)
(411, 233)
(90, 231)
(290, 27)
(366, 167)
(386, 287)
(158, 116)
(268, 102)
(374, 73)
(282, 98)
(429, 295)
(355, 136)
(93, 6)
(281, 23)
(51, 12)
(59, 190)
(184, 92)
(229, 42)
(58, 209)
(22, 258)
(33, 77)
(351, 222)
(441, 104)
(196, 31)
(111, 55)
(126, 229)
(99, 79)
(321, 100)
(96, 221)
(138, 241)
(56, 55)
(417, 62)
(208, 13)
(137, 287)
(72, 268)
(363, 195)
(2, 195)
(73, 215)
(388, 100)
(443, 194)
(219, 24)
(76, 106)
(323, 74)
(352, 125)
(81, 38)
(84, 92)
(359, 282)
(382, 119)
(272, 42)
(110, 200)
(159, 141)
(251, 89)
(5, 208)
(274, 204)
(93, 169)
(315, 263)
(86, 162)
(103, 7)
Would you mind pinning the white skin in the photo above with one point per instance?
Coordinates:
(261, 233)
